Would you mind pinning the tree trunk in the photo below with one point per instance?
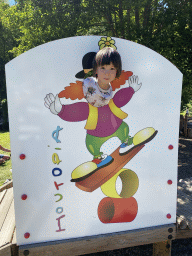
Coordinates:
(129, 23)
(137, 21)
(122, 29)
(147, 12)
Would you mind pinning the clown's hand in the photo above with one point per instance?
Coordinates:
(53, 103)
(133, 82)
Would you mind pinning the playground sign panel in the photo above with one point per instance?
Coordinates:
(60, 191)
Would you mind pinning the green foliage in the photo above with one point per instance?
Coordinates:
(35, 22)
(162, 25)
(4, 112)
(177, 30)
(4, 1)
(5, 172)
(189, 107)
(6, 44)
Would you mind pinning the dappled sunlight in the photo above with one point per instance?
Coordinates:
(184, 188)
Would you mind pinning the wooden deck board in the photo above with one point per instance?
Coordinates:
(6, 185)
(14, 241)
(8, 227)
(5, 250)
(2, 194)
(184, 201)
(7, 219)
(5, 205)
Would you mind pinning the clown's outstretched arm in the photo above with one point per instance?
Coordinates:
(53, 103)
(124, 95)
(133, 82)
(75, 112)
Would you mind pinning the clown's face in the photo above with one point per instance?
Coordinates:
(105, 75)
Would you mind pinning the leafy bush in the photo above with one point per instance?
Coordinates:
(189, 107)
(4, 114)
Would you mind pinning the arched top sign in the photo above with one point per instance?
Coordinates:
(96, 161)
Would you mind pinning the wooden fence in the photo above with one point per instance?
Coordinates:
(186, 126)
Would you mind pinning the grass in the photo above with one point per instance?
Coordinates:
(5, 172)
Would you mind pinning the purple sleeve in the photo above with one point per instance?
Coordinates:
(75, 112)
(123, 96)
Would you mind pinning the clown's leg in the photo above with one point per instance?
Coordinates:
(93, 145)
(123, 132)
(123, 135)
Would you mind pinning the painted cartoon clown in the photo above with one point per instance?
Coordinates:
(102, 74)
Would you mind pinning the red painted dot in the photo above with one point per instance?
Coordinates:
(22, 156)
(24, 197)
(170, 147)
(27, 235)
(168, 216)
(170, 182)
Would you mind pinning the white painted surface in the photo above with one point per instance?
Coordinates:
(48, 69)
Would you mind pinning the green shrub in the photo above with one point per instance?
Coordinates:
(4, 112)
(189, 107)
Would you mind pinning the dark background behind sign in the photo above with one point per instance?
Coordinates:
(162, 25)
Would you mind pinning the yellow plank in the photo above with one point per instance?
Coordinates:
(5, 205)
(6, 232)
(101, 243)
(162, 248)
(104, 174)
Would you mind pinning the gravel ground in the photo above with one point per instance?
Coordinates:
(181, 247)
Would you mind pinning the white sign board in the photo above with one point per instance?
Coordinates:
(53, 199)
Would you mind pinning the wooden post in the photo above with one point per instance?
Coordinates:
(162, 248)
(181, 127)
(190, 133)
(185, 125)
